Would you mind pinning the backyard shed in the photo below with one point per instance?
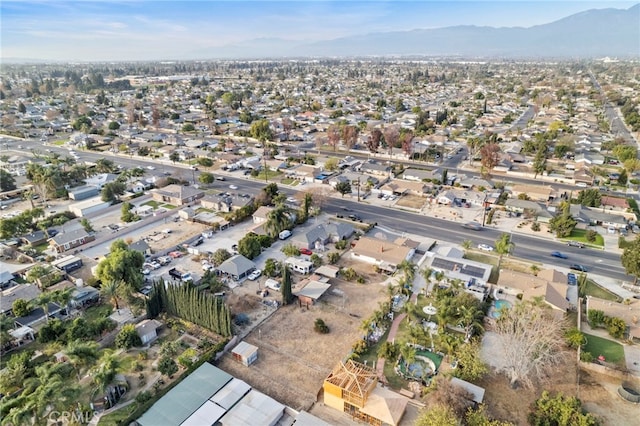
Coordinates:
(245, 353)
(311, 292)
(147, 330)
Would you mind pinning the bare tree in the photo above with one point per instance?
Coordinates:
(391, 137)
(131, 112)
(530, 339)
(490, 156)
(350, 135)
(407, 143)
(333, 136)
(373, 141)
(287, 125)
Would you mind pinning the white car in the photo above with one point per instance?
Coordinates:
(234, 187)
(151, 168)
(255, 275)
(485, 247)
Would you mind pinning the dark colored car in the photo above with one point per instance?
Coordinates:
(577, 267)
(575, 244)
(558, 255)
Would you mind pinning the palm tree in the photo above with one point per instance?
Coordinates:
(110, 290)
(466, 244)
(426, 274)
(535, 269)
(104, 165)
(81, 354)
(106, 370)
(504, 245)
(278, 220)
(62, 297)
(408, 353)
(471, 319)
(43, 301)
(408, 269)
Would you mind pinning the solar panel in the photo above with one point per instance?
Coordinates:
(473, 271)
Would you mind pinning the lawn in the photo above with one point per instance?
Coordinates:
(395, 381)
(97, 312)
(59, 143)
(581, 236)
(593, 289)
(115, 418)
(270, 174)
(371, 355)
(169, 206)
(612, 351)
(203, 210)
(289, 181)
(151, 203)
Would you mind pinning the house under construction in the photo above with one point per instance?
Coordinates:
(353, 388)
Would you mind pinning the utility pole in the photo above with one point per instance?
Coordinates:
(358, 189)
(264, 158)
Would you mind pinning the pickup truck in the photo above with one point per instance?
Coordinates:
(180, 275)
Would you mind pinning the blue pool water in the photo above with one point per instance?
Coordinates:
(497, 305)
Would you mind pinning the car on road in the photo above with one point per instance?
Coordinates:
(306, 252)
(221, 178)
(255, 275)
(234, 187)
(559, 255)
(577, 267)
(575, 244)
(151, 168)
(474, 226)
(355, 218)
(485, 247)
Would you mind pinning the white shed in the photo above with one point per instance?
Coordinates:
(245, 353)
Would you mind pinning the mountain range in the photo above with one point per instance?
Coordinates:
(589, 34)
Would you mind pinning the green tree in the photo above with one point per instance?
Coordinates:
(333, 257)
(112, 190)
(7, 182)
(81, 355)
(504, 245)
(20, 308)
(291, 250)
(574, 337)
(563, 223)
(167, 366)
(188, 127)
(127, 214)
(590, 197)
(111, 290)
(278, 220)
(388, 351)
(86, 225)
(560, 410)
(174, 156)
(286, 285)
(470, 365)
(625, 152)
(343, 188)
(220, 256)
(206, 178)
(331, 164)
(114, 125)
(408, 268)
(128, 337)
(122, 265)
(631, 259)
(271, 268)
(261, 130)
(319, 326)
(249, 246)
(437, 415)
(616, 327)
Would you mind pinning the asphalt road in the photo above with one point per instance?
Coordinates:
(531, 248)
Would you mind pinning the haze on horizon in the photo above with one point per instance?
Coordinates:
(155, 30)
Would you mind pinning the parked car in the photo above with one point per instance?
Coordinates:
(255, 275)
(577, 267)
(272, 284)
(284, 234)
(485, 247)
(559, 255)
(306, 252)
(146, 271)
(575, 244)
(164, 260)
(175, 254)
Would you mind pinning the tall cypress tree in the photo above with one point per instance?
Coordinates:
(286, 285)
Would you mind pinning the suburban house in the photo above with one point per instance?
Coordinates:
(384, 254)
(313, 290)
(68, 263)
(373, 168)
(260, 216)
(26, 292)
(142, 246)
(629, 312)
(421, 175)
(454, 266)
(177, 195)
(534, 192)
(35, 238)
(237, 267)
(225, 203)
(100, 180)
(461, 198)
(70, 240)
(318, 236)
(402, 187)
(304, 173)
(549, 285)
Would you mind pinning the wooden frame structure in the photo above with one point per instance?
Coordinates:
(351, 382)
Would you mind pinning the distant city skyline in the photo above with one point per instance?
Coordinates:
(155, 30)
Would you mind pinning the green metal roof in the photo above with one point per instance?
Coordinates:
(183, 400)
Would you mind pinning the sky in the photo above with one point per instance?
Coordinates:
(150, 30)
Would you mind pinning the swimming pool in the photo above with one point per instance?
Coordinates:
(497, 306)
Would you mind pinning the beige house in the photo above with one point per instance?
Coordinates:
(384, 254)
(534, 192)
(550, 285)
(177, 195)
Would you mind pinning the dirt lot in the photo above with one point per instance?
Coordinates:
(291, 352)
(411, 201)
